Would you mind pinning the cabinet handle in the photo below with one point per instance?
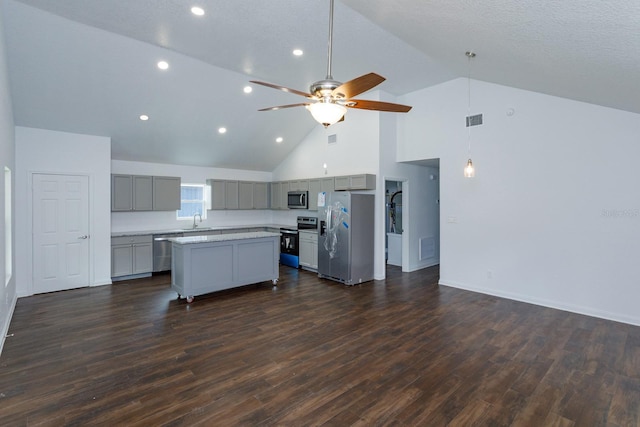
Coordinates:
(83, 237)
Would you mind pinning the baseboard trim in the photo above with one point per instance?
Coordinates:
(587, 311)
(5, 329)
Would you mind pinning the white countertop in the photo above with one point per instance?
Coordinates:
(221, 237)
(198, 229)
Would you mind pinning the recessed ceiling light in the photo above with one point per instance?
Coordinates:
(144, 117)
(279, 139)
(247, 89)
(222, 130)
(163, 65)
(298, 52)
(198, 11)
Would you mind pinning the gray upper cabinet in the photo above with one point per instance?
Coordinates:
(299, 185)
(355, 182)
(121, 192)
(217, 199)
(231, 195)
(261, 195)
(166, 193)
(284, 195)
(238, 194)
(315, 186)
(144, 193)
(276, 189)
(327, 184)
(245, 195)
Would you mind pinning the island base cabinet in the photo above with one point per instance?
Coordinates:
(201, 268)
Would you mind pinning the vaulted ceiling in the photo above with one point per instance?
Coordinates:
(89, 66)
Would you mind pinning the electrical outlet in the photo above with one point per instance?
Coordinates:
(489, 274)
(452, 220)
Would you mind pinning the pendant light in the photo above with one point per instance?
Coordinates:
(469, 170)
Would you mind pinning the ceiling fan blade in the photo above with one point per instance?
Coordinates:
(282, 88)
(280, 107)
(377, 105)
(358, 85)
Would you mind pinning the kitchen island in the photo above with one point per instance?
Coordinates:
(204, 264)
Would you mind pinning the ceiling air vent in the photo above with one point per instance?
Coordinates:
(474, 120)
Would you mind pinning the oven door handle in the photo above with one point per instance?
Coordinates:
(288, 232)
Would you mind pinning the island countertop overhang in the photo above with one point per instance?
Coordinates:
(190, 240)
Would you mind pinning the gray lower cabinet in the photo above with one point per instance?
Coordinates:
(308, 250)
(131, 255)
(208, 266)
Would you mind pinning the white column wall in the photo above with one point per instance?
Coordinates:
(7, 159)
(553, 214)
(45, 151)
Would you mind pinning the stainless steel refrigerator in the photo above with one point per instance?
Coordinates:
(345, 243)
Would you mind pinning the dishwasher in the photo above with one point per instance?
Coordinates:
(162, 251)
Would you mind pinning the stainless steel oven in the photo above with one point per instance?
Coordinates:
(289, 247)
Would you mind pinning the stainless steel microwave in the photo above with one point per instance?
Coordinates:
(298, 200)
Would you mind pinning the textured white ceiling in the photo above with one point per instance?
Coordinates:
(88, 66)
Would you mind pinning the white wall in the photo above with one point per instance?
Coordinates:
(420, 194)
(553, 214)
(45, 151)
(142, 221)
(7, 159)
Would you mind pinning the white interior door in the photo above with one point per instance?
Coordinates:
(60, 232)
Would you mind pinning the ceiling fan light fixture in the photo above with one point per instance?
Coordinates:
(327, 113)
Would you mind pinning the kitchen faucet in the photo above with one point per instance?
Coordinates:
(194, 219)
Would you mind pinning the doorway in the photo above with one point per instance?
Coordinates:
(393, 222)
(60, 232)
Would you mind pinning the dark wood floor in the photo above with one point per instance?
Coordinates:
(401, 352)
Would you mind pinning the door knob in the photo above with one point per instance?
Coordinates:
(83, 237)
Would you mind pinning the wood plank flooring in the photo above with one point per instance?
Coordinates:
(401, 352)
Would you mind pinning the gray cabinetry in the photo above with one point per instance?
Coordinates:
(217, 199)
(121, 192)
(144, 193)
(308, 250)
(166, 193)
(227, 194)
(276, 188)
(131, 255)
(284, 195)
(231, 195)
(299, 185)
(201, 267)
(327, 184)
(245, 195)
(315, 186)
(355, 182)
(260, 195)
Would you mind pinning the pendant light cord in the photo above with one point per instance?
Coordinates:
(468, 120)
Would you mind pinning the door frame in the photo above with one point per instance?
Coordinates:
(29, 264)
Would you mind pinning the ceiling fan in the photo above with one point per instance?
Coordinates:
(329, 99)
